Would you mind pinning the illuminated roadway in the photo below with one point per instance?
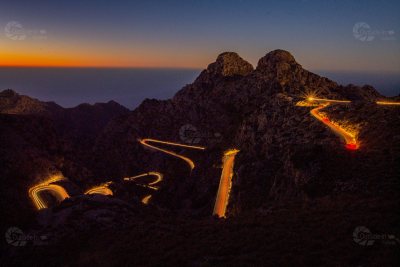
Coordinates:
(58, 191)
(311, 99)
(388, 103)
(146, 199)
(225, 183)
(349, 138)
(100, 189)
(146, 142)
(222, 198)
(151, 185)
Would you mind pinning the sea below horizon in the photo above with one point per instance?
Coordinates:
(70, 87)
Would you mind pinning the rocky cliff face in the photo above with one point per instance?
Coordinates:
(285, 152)
(41, 138)
(13, 103)
(292, 172)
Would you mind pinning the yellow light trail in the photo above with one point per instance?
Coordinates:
(58, 191)
(306, 104)
(146, 199)
(159, 178)
(145, 142)
(349, 138)
(225, 183)
(100, 189)
(311, 99)
(387, 103)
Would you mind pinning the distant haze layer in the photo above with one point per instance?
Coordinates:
(69, 87)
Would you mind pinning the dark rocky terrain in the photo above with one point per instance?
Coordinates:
(297, 193)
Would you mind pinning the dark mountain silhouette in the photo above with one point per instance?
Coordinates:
(297, 193)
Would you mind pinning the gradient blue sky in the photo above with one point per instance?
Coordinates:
(192, 33)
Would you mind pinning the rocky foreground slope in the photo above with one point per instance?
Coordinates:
(296, 189)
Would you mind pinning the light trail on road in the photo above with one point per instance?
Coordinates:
(159, 178)
(58, 191)
(349, 138)
(146, 199)
(157, 175)
(311, 99)
(225, 183)
(100, 189)
(145, 142)
(388, 103)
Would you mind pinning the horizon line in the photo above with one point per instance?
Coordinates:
(97, 67)
(172, 67)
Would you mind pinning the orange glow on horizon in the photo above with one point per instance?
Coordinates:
(25, 57)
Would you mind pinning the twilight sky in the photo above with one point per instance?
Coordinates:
(191, 33)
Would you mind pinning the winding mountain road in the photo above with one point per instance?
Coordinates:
(146, 142)
(349, 138)
(158, 178)
(100, 189)
(56, 190)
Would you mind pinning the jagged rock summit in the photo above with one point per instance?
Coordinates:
(276, 57)
(230, 64)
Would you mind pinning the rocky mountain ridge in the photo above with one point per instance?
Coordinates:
(290, 168)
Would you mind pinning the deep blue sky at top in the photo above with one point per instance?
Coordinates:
(191, 33)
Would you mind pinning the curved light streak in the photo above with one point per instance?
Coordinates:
(159, 178)
(100, 189)
(349, 138)
(225, 183)
(145, 142)
(58, 191)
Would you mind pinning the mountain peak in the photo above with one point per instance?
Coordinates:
(276, 58)
(8, 93)
(230, 64)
